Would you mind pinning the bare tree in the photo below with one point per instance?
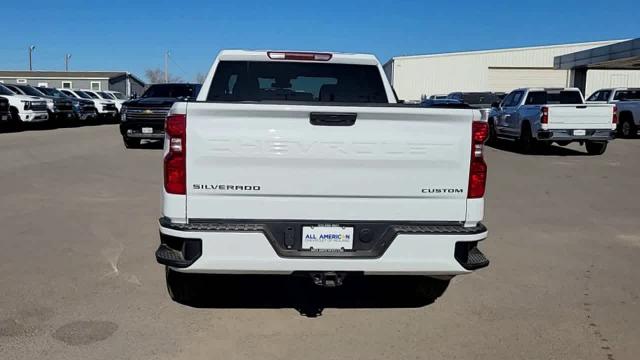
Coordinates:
(200, 77)
(156, 76)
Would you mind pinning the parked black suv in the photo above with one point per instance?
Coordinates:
(82, 109)
(143, 118)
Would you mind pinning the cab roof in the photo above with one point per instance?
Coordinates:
(268, 55)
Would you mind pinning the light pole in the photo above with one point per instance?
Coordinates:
(31, 49)
(67, 57)
(166, 67)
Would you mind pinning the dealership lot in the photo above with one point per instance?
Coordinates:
(79, 213)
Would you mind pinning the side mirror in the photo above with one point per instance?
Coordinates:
(495, 105)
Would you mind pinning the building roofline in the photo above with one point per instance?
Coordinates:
(61, 74)
(488, 51)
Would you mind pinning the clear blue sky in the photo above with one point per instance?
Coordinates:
(133, 35)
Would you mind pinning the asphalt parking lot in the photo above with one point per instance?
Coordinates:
(79, 280)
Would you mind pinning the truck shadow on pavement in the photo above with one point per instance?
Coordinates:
(549, 150)
(299, 293)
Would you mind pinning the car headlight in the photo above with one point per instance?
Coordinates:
(27, 104)
(50, 105)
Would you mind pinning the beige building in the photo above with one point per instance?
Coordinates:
(497, 70)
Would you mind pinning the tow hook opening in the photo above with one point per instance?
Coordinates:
(328, 279)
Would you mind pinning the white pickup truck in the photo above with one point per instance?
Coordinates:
(304, 163)
(23, 108)
(536, 116)
(627, 101)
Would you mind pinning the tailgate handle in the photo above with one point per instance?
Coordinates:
(581, 107)
(332, 119)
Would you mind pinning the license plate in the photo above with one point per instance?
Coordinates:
(327, 238)
(579, 132)
(146, 130)
(5, 117)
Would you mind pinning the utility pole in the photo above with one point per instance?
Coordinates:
(166, 66)
(31, 49)
(67, 57)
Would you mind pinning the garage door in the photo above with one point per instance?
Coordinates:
(507, 79)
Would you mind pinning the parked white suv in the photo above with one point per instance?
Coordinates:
(24, 108)
(303, 163)
(117, 97)
(106, 108)
(98, 103)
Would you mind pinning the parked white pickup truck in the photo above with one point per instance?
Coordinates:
(23, 108)
(303, 163)
(536, 116)
(627, 101)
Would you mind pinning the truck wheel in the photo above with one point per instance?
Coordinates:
(492, 140)
(628, 129)
(182, 287)
(526, 142)
(429, 289)
(130, 143)
(596, 147)
(15, 123)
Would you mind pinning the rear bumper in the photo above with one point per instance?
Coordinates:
(135, 130)
(568, 135)
(250, 249)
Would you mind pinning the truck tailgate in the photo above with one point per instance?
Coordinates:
(263, 161)
(587, 116)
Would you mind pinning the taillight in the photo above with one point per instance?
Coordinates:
(175, 172)
(544, 119)
(275, 55)
(477, 167)
(614, 119)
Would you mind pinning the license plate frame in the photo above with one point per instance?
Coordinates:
(330, 238)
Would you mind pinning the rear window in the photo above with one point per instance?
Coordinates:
(291, 81)
(627, 95)
(559, 97)
(172, 91)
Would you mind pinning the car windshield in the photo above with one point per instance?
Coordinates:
(92, 94)
(105, 95)
(118, 95)
(31, 91)
(5, 90)
(173, 91)
(53, 92)
(288, 81)
(83, 94)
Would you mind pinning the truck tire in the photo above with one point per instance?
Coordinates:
(596, 147)
(526, 142)
(15, 123)
(182, 288)
(492, 140)
(429, 289)
(131, 143)
(628, 128)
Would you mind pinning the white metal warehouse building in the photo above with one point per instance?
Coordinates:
(497, 70)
